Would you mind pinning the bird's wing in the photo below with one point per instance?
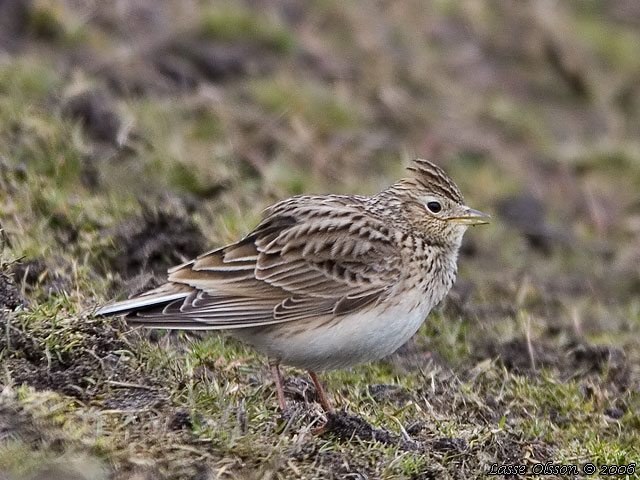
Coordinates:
(310, 256)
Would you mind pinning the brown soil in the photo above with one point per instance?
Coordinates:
(97, 366)
(526, 213)
(347, 426)
(9, 294)
(576, 359)
(153, 243)
(96, 113)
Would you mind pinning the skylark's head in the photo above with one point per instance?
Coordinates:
(435, 205)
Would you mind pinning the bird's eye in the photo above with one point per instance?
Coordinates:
(434, 207)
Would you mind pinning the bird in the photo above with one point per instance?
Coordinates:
(323, 282)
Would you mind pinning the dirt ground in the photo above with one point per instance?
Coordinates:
(136, 135)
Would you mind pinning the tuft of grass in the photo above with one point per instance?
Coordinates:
(616, 44)
(207, 125)
(26, 82)
(320, 109)
(50, 20)
(237, 24)
(521, 122)
(34, 132)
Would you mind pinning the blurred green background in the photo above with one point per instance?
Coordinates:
(137, 134)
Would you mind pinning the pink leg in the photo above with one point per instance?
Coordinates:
(324, 400)
(275, 371)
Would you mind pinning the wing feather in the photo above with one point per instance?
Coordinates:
(310, 256)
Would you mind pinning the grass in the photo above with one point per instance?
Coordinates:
(320, 109)
(229, 408)
(532, 358)
(232, 24)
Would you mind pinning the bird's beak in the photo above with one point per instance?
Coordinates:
(471, 217)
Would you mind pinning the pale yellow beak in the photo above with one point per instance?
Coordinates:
(471, 217)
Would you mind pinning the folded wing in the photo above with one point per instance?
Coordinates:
(310, 256)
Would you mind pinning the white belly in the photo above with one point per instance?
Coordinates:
(351, 339)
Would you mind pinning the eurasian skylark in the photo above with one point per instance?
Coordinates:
(324, 281)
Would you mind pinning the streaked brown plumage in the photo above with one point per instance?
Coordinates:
(324, 281)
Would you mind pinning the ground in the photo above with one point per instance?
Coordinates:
(136, 135)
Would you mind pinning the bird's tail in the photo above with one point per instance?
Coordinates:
(154, 298)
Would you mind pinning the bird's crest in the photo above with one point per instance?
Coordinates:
(434, 179)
